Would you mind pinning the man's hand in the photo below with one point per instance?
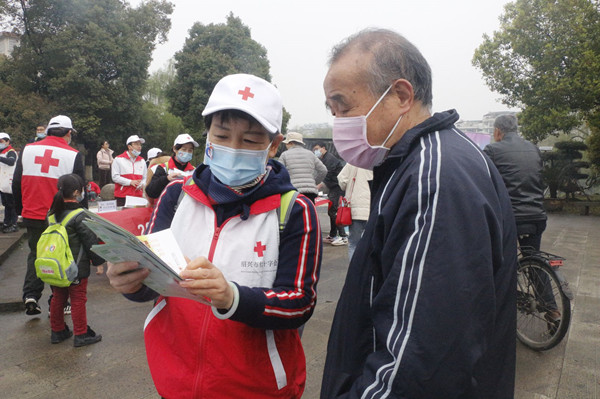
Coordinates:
(135, 183)
(126, 277)
(202, 278)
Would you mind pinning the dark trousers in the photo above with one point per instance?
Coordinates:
(60, 297)
(32, 286)
(530, 240)
(104, 177)
(334, 196)
(10, 213)
(530, 235)
(310, 196)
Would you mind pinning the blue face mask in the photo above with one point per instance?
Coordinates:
(40, 135)
(135, 153)
(318, 153)
(235, 167)
(79, 198)
(3, 146)
(184, 157)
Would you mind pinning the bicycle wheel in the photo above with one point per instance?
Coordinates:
(543, 310)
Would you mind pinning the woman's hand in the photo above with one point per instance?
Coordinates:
(126, 277)
(202, 278)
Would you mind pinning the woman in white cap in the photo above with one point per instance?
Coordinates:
(177, 167)
(129, 171)
(259, 272)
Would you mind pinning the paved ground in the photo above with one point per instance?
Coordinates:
(30, 367)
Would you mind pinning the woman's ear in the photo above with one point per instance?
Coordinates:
(275, 145)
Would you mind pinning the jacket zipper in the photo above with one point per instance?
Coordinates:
(211, 253)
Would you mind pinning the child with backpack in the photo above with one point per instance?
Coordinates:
(66, 207)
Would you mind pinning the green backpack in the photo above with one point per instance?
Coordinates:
(54, 264)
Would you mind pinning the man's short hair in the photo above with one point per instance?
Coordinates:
(320, 144)
(506, 123)
(394, 57)
(58, 131)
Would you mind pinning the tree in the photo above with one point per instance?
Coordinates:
(21, 113)
(89, 59)
(562, 169)
(160, 126)
(210, 53)
(545, 59)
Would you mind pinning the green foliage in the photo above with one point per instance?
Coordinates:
(546, 59)
(593, 142)
(210, 53)
(562, 168)
(89, 59)
(21, 113)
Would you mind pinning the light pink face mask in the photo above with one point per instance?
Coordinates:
(350, 140)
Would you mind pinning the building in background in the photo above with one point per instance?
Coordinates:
(8, 41)
(481, 131)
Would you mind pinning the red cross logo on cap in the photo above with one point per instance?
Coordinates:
(46, 161)
(246, 94)
(259, 248)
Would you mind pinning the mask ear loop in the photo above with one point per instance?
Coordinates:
(378, 101)
(395, 126)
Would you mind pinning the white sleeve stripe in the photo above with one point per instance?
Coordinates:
(417, 252)
(478, 149)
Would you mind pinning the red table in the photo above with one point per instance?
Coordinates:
(133, 220)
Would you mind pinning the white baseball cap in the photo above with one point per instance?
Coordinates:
(153, 152)
(250, 94)
(184, 139)
(4, 136)
(60, 121)
(133, 138)
(293, 136)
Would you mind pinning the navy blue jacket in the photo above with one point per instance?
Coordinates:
(428, 307)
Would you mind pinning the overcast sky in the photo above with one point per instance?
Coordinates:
(298, 36)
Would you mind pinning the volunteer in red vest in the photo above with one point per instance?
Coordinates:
(8, 160)
(177, 167)
(34, 186)
(129, 171)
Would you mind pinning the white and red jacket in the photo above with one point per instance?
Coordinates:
(253, 350)
(8, 163)
(38, 169)
(124, 170)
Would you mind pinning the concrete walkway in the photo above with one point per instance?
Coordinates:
(30, 367)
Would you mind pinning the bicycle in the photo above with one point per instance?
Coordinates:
(543, 300)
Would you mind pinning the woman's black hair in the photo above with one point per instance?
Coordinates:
(67, 185)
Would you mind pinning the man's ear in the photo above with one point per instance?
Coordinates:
(275, 145)
(404, 94)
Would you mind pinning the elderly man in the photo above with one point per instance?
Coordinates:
(428, 306)
(520, 164)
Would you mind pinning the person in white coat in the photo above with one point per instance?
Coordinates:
(8, 161)
(355, 182)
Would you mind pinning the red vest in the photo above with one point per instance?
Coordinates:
(133, 170)
(43, 163)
